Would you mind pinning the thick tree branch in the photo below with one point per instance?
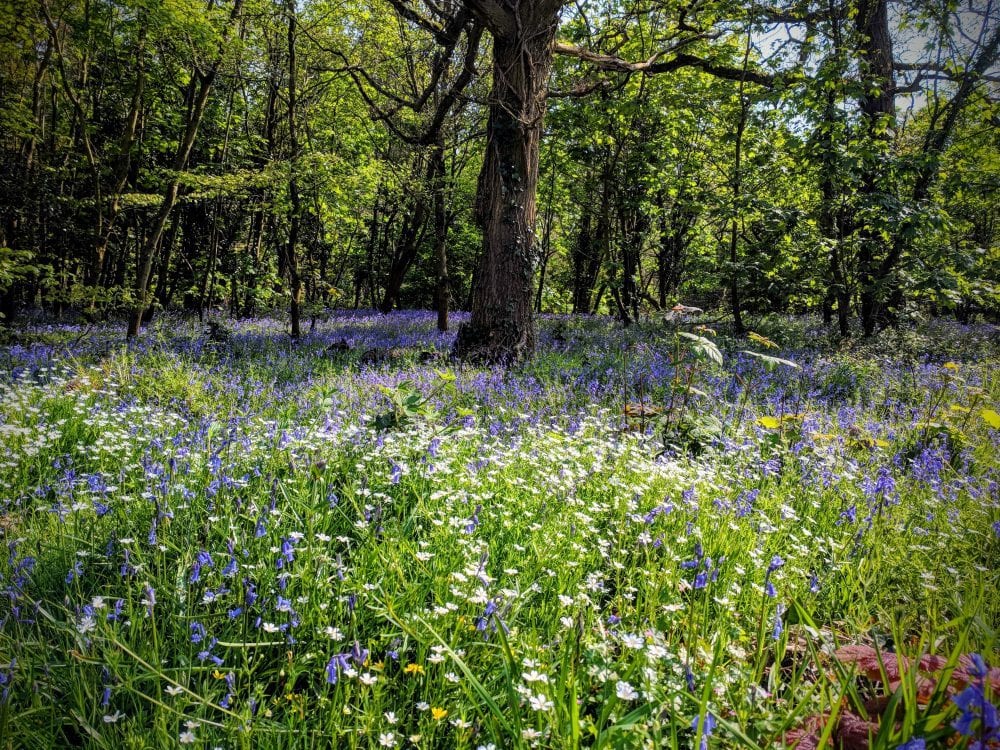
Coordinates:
(429, 134)
(498, 20)
(941, 72)
(436, 29)
(655, 64)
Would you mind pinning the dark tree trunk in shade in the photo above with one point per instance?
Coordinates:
(295, 200)
(878, 110)
(440, 218)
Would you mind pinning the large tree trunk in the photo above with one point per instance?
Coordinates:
(502, 327)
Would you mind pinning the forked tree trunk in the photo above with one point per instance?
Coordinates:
(147, 252)
(502, 327)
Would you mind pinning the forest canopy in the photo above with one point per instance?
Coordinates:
(503, 157)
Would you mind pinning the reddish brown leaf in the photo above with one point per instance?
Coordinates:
(853, 732)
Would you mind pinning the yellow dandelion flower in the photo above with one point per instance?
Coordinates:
(438, 713)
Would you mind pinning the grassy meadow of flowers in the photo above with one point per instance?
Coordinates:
(226, 539)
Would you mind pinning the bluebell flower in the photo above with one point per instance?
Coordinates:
(197, 632)
(779, 625)
(226, 701)
(917, 743)
(75, 572)
(745, 502)
(473, 522)
(359, 654)
(202, 559)
(337, 664)
(207, 654)
(286, 554)
(707, 728)
(976, 708)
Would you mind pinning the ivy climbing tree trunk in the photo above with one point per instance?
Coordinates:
(502, 326)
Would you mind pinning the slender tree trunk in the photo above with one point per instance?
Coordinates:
(411, 234)
(440, 211)
(734, 258)
(878, 111)
(123, 165)
(502, 327)
(147, 252)
(548, 221)
(580, 256)
(831, 229)
(295, 201)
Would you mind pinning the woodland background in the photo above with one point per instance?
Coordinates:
(835, 156)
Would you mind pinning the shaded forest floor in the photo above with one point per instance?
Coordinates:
(223, 538)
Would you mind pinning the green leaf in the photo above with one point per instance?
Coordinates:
(771, 363)
(703, 347)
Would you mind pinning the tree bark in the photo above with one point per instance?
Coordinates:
(502, 326)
